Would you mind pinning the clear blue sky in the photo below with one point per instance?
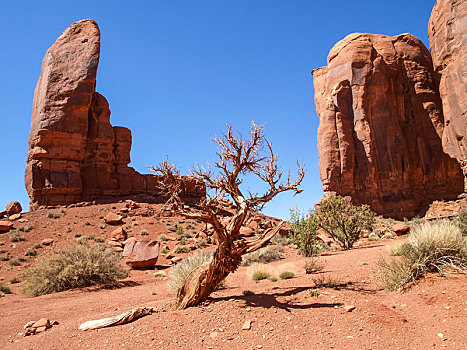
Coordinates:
(175, 72)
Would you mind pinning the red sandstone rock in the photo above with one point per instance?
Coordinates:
(113, 219)
(13, 208)
(5, 225)
(141, 253)
(47, 241)
(119, 234)
(381, 121)
(400, 229)
(75, 154)
(14, 217)
(447, 31)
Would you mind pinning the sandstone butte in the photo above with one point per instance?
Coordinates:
(381, 126)
(447, 32)
(75, 154)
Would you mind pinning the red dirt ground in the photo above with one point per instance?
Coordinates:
(430, 315)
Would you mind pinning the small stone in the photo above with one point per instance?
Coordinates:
(400, 229)
(441, 335)
(43, 322)
(40, 329)
(349, 308)
(47, 241)
(246, 325)
(29, 324)
(5, 225)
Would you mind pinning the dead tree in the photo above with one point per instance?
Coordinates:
(237, 157)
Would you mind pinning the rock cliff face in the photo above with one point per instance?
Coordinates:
(381, 122)
(75, 154)
(447, 31)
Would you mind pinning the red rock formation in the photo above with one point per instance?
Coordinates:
(379, 138)
(75, 154)
(447, 31)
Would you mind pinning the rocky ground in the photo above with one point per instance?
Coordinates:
(340, 307)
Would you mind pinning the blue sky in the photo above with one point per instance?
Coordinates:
(175, 72)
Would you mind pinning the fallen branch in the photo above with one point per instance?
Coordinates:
(119, 319)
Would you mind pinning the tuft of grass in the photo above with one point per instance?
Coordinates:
(181, 249)
(272, 279)
(14, 262)
(280, 240)
(287, 275)
(202, 242)
(53, 215)
(163, 238)
(4, 288)
(263, 255)
(73, 267)
(153, 293)
(31, 252)
(179, 230)
(77, 235)
(182, 270)
(260, 275)
(14, 280)
(15, 236)
(432, 247)
(2, 251)
(462, 221)
(323, 281)
(144, 233)
(314, 292)
(87, 223)
(248, 293)
(313, 265)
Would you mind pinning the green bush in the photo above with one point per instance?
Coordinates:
(432, 247)
(182, 270)
(52, 215)
(73, 267)
(303, 231)
(287, 275)
(263, 255)
(31, 252)
(344, 222)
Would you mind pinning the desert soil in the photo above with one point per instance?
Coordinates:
(283, 314)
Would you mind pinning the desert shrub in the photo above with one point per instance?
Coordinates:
(14, 280)
(181, 249)
(144, 233)
(462, 221)
(303, 231)
(179, 229)
(314, 292)
(287, 275)
(325, 281)
(37, 246)
(52, 215)
(260, 275)
(73, 267)
(2, 251)
(272, 279)
(182, 270)
(432, 247)
(31, 252)
(15, 236)
(14, 262)
(280, 240)
(344, 222)
(4, 258)
(373, 236)
(248, 293)
(263, 255)
(163, 238)
(5, 289)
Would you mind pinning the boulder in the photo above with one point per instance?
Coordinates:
(401, 229)
(5, 225)
(380, 126)
(43, 322)
(447, 33)
(141, 253)
(13, 208)
(2, 214)
(14, 217)
(75, 154)
(113, 219)
(246, 231)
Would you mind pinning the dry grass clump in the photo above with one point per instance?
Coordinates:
(432, 247)
(263, 255)
(287, 275)
(182, 270)
(258, 271)
(73, 267)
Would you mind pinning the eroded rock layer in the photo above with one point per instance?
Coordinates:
(381, 122)
(75, 154)
(447, 31)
